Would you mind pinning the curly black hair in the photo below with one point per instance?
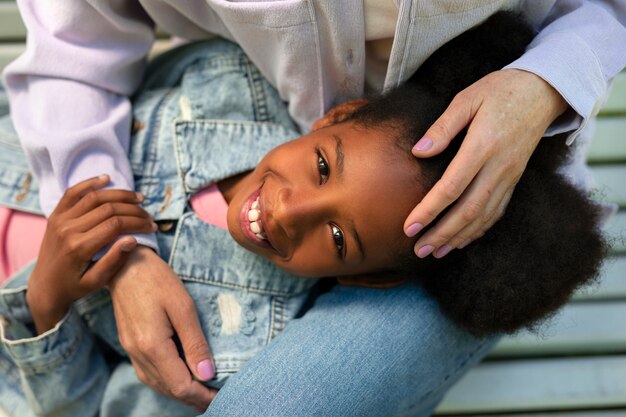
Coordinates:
(547, 243)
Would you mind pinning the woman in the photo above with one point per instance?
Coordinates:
(303, 191)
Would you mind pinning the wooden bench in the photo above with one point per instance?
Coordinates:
(577, 365)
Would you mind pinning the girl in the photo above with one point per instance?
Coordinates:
(329, 204)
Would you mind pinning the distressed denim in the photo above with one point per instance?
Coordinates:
(203, 114)
(354, 352)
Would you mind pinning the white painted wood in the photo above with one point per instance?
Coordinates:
(579, 328)
(609, 140)
(8, 52)
(610, 182)
(617, 100)
(612, 284)
(615, 230)
(11, 25)
(540, 385)
(597, 413)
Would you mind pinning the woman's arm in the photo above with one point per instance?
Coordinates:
(69, 91)
(69, 103)
(581, 47)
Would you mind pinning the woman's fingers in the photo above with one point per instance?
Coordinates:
(493, 212)
(179, 382)
(457, 177)
(457, 116)
(471, 216)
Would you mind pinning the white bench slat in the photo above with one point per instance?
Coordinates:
(610, 182)
(590, 327)
(11, 25)
(612, 284)
(10, 51)
(617, 100)
(540, 385)
(615, 230)
(598, 413)
(609, 140)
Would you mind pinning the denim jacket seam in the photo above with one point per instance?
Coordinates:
(259, 97)
(277, 321)
(252, 289)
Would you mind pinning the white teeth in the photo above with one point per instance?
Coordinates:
(253, 215)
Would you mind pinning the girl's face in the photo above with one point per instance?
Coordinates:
(331, 203)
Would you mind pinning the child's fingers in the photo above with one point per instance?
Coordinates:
(105, 211)
(107, 267)
(103, 234)
(77, 191)
(92, 200)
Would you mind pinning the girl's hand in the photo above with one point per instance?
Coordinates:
(507, 113)
(86, 220)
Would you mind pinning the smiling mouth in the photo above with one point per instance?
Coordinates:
(251, 221)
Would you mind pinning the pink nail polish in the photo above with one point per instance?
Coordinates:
(443, 251)
(414, 229)
(206, 370)
(423, 144)
(424, 251)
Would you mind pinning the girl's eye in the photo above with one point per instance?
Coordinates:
(322, 167)
(337, 238)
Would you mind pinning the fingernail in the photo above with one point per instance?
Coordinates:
(423, 144)
(414, 229)
(206, 370)
(465, 243)
(443, 251)
(154, 227)
(140, 196)
(103, 177)
(424, 251)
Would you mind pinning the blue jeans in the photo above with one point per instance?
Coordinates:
(356, 352)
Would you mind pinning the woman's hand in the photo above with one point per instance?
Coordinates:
(508, 112)
(151, 306)
(85, 221)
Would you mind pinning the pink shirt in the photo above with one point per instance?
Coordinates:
(20, 238)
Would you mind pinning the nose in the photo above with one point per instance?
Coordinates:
(298, 211)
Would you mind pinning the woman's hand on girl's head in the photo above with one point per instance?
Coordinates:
(85, 221)
(506, 113)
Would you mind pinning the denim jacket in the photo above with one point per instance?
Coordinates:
(204, 113)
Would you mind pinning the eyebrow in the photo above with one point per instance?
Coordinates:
(339, 155)
(339, 158)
